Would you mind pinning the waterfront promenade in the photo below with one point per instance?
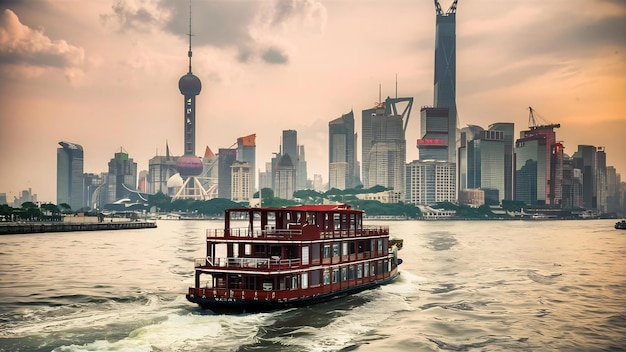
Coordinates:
(11, 228)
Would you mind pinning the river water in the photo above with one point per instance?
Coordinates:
(464, 285)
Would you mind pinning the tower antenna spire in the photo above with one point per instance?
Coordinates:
(189, 52)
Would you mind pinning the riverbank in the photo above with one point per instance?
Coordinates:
(12, 228)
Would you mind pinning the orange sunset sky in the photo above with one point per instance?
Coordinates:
(104, 74)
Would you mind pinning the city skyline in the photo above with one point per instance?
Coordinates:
(267, 68)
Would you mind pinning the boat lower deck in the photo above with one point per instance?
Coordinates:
(239, 301)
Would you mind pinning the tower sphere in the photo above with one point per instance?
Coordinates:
(189, 84)
(189, 165)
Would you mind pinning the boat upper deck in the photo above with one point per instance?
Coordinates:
(295, 223)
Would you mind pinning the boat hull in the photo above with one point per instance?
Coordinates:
(234, 305)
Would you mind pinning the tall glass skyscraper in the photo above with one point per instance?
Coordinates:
(530, 170)
(70, 182)
(384, 143)
(485, 164)
(445, 69)
(342, 150)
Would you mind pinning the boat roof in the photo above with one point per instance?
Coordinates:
(301, 207)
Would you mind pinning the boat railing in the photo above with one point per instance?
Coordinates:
(373, 230)
(241, 232)
(246, 262)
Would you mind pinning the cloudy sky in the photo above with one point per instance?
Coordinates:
(104, 74)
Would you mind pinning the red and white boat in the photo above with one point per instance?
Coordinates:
(273, 258)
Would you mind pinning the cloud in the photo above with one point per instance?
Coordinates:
(132, 17)
(30, 51)
(244, 27)
(274, 56)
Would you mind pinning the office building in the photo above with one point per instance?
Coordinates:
(585, 159)
(70, 182)
(122, 177)
(241, 174)
(284, 178)
(445, 71)
(571, 185)
(246, 152)
(508, 134)
(430, 182)
(226, 157)
(485, 165)
(342, 150)
(160, 169)
(384, 144)
(438, 135)
(530, 170)
(301, 172)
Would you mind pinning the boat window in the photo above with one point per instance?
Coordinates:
(326, 251)
(359, 271)
(315, 251)
(305, 255)
(248, 249)
(326, 277)
(315, 277)
(344, 249)
(372, 270)
(344, 274)
(352, 222)
(305, 280)
(235, 250)
(294, 282)
(310, 218)
(351, 272)
(335, 249)
(380, 245)
(335, 276)
(366, 268)
(351, 248)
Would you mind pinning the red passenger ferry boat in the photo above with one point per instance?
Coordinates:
(272, 258)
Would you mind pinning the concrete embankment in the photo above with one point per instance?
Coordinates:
(10, 228)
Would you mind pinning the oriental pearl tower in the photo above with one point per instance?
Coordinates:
(189, 166)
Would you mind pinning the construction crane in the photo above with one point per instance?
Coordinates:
(535, 121)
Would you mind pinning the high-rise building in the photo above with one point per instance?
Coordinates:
(265, 177)
(549, 185)
(530, 170)
(95, 190)
(601, 184)
(284, 178)
(246, 151)
(160, 169)
(485, 165)
(571, 185)
(438, 135)
(226, 157)
(70, 182)
(241, 180)
(301, 172)
(445, 70)
(430, 182)
(585, 159)
(342, 149)
(290, 145)
(384, 143)
(508, 131)
(613, 180)
(122, 177)
(466, 134)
